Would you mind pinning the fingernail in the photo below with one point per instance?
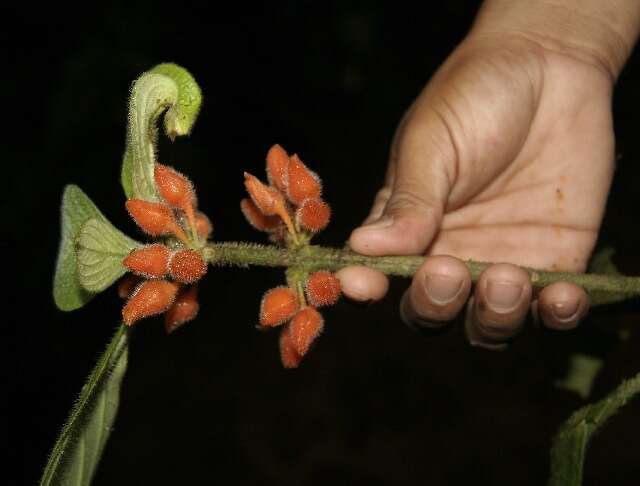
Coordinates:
(415, 322)
(565, 311)
(382, 223)
(442, 289)
(502, 295)
(361, 303)
(474, 336)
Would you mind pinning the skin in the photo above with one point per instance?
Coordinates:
(506, 156)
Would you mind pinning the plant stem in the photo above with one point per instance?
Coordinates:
(312, 258)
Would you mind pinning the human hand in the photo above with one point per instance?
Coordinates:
(506, 156)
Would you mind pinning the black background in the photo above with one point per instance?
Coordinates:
(374, 403)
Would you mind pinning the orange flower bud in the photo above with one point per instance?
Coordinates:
(268, 200)
(304, 328)
(288, 355)
(149, 261)
(302, 183)
(184, 309)
(277, 164)
(150, 298)
(203, 225)
(313, 214)
(278, 305)
(174, 187)
(155, 219)
(323, 288)
(127, 285)
(187, 266)
(256, 218)
(265, 198)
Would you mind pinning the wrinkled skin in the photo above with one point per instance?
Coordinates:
(506, 156)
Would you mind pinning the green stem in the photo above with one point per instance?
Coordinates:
(312, 258)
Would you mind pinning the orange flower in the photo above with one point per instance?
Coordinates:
(305, 327)
(313, 214)
(149, 261)
(184, 309)
(256, 218)
(184, 265)
(288, 354)
(268, 200)
(323, 288)
(187, 266)
(277, 166)
(293, 190)
(155, 219)
(174, 187)
(148, 299)
(278, 305)
(302, 183)
(203, 225)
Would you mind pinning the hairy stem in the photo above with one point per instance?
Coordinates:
(311, 258)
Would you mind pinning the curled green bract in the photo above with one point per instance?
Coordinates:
(169, 89)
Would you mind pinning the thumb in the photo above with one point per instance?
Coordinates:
(411, 217)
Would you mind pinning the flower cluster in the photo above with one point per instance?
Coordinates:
(291, 205)
(165, 272)
(290, 209)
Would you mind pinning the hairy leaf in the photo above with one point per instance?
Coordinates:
(101, 249)
(166, 88)
(570, 445)
(76, 210)
(126, 173)
(76, 454)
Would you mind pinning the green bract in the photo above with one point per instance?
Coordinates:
(101, 249)
(167, 87)
(75, 283)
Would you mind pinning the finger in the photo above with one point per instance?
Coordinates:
(411, 216)
(363, 284)
(561, 305)
(379, 203)
(382, 196)
(501, 301)
(438, 292)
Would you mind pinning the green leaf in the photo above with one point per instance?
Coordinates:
(76, 210)
(581, 374)
(570, 444)
(166, 88)
(101, 249)
(181, 117)
(126, 174)
(76, 454)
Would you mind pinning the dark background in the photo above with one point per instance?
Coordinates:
(374, 403)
